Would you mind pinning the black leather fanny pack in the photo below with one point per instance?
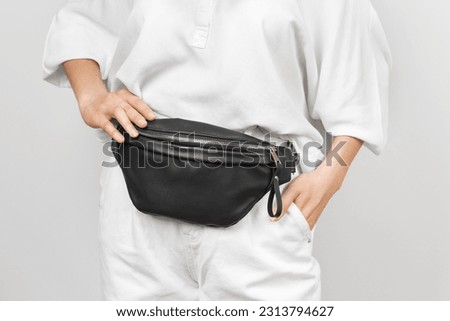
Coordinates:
(201, 173)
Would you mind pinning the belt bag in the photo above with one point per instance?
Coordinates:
(201, 173)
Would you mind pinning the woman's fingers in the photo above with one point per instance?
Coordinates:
(135, 117)
(109, 128)
(139, 105)
(122, 118)
(122, 105)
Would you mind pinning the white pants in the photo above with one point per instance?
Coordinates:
(146, 257)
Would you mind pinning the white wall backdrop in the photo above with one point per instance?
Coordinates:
(384, 236)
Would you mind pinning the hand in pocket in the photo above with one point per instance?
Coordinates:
(310, 192)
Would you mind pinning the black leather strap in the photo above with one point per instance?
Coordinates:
(275, 190)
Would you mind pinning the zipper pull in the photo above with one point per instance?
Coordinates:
(275, 190)
(274, 153)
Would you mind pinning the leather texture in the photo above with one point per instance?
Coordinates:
(201, 173)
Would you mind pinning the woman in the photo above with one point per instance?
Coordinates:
(294, 68)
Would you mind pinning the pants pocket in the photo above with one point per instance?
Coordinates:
(300, 220)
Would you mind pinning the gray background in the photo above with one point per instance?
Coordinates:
(384, 236)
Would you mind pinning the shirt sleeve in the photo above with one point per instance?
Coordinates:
(349, 70)
(83, 29)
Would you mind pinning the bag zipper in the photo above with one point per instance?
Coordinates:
(214, 141)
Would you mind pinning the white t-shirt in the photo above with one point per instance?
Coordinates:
(297, 68)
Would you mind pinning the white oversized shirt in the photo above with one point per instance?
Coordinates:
(297, 68)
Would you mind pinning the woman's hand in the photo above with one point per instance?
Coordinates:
(98, 106)
(311, 192)
(122, 105)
